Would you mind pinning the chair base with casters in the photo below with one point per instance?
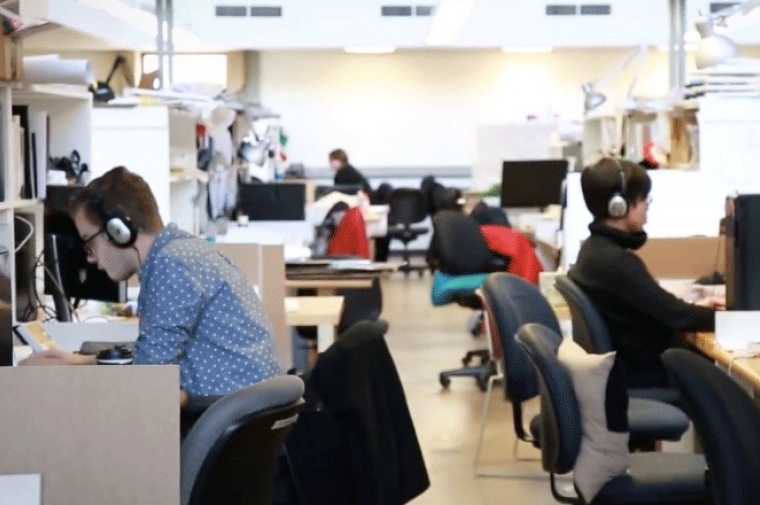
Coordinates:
(486, 368)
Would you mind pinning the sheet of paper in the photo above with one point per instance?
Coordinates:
(22, 489)
(737, 330)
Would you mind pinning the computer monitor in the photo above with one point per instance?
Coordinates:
(66, 264)
(275, 201)
(743, 253)
(532, 183)
(346, 189)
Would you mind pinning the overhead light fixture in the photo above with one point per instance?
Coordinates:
(527, 50)
(370, 49)
(450, 16)
(716, 48)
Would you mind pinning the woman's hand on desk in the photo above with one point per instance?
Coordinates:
(57, 357)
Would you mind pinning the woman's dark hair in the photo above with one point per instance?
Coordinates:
(340, 155)
(602, 180)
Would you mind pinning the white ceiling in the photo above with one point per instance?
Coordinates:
(335, 24)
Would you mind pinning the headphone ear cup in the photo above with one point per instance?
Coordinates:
(617, 206)
(120, 231)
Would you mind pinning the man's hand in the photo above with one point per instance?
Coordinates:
(712, 302)
(57, 357)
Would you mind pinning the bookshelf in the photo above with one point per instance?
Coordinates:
(63, 124)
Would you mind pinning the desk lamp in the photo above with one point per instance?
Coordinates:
(716, 48)
(593, 97)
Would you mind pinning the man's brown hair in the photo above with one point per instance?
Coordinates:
(119, 191)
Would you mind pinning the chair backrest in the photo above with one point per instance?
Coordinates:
(589, 329)
(512, 302)
(458, 246)
(360, 304)
(560, 414)
(727, 422)
(229, 455)
(407, 206)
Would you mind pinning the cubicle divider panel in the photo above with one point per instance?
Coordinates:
(95, 434)
(264, 267)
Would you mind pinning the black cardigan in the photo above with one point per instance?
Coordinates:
(347, 174)
(643, 319)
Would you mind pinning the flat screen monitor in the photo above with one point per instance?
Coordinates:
(272, 202)
(743, 253)
(532, 183)
(66, 262)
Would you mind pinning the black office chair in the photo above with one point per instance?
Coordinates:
(355, 441)
(512, 302)
(361, 304)
(727, 422)
(590, 332)
(458, 276)
(229, 455)
(652, 478)
(408, 208)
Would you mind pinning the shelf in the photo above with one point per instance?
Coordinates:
(19, 204)
(51, 91)
(185, 177)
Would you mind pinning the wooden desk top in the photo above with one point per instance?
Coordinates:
(328, 284)
(745, 367)
(313, 310)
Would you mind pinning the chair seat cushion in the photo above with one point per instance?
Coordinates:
(658, 477)
(665, 395)
(651, 420)
(448, 288)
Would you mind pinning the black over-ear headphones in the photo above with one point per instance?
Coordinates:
(116, 225)
(618, 205)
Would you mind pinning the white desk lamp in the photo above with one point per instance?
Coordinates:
(716, 48)
(594, 98)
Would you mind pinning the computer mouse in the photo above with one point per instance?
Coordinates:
(118, 355)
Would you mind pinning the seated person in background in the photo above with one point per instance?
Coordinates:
(345, 173)
(196, 308)
(642, 318)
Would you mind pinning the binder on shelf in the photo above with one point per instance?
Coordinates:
(38, 148)
(27, 179)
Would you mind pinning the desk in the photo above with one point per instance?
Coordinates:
(328, 286)
(321, 311)
(746, 369)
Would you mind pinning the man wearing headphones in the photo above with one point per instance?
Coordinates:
(195, 307)
(643, 319)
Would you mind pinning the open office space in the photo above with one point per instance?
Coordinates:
(401, 194)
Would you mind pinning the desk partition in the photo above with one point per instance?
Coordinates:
(96, 434)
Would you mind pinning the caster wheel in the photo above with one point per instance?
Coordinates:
(466, 361)
(445, 381)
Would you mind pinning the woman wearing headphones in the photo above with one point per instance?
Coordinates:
(196, 308)
(643, 319)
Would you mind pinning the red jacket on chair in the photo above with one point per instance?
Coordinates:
(509, 242)
(350, 236)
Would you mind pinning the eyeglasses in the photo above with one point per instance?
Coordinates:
(87, 243)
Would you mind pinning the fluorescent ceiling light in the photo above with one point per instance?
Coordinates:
(450, 16)
(527, 50)
(370, 49)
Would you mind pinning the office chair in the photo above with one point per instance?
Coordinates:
(229, 455)
(727, 422)
(590, 332)
(361, 304)
(462, 261)
(512, 302)
(408, 207)
(355, 441)
(652, 477)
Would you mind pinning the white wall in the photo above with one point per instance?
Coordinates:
(421, 108)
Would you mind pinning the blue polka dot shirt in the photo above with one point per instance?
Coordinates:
(197, 310)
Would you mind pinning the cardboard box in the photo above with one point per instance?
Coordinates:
(683, 258)
(11, 59)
